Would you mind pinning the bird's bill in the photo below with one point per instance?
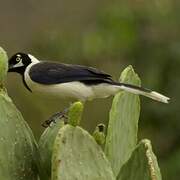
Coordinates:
(14, 66)
(10, 68)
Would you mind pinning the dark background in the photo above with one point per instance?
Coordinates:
(110, 36)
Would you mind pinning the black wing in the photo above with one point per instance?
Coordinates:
(54, 73)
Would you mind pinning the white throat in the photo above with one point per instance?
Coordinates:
(33, 59)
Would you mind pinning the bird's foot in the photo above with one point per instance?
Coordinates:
(55, 117)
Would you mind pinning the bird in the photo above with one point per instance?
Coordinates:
(72, 81)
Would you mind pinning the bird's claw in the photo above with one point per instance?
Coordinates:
(55, 117)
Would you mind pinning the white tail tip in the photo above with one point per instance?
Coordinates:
(158, 97)
(151, 94)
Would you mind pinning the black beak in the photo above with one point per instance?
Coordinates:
(11, 68)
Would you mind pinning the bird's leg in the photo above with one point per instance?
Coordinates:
(54, 117)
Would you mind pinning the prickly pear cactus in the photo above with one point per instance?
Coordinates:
(142, 165)
(99, 134)
(123, 124)
(129, 160)
(18, 150)
(46, 144)
(47, 139)
(69, 152)
(75, 113)
(3, 65)
(76, 155)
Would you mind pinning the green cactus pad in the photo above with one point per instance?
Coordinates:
(3, 65)
(18, 150)
(76, 155)
(123, 124)
(142, 165)
(99, 134)
(46, 144)
(75, 113)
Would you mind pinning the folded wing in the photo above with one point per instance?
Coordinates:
(54, 73)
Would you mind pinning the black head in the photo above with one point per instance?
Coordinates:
(18, 62)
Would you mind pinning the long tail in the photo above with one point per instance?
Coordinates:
(143, 91)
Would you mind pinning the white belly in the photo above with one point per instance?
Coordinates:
(74, 90)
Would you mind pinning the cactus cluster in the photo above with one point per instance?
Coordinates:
(67, 151)
(18, 148)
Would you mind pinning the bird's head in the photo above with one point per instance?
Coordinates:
(19, 61)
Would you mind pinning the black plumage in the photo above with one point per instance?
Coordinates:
(55, 73)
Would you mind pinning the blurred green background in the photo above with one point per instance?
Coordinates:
(108, 35)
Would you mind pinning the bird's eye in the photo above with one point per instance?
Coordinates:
(18, 59)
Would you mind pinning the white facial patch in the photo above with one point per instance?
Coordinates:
(19, 64)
